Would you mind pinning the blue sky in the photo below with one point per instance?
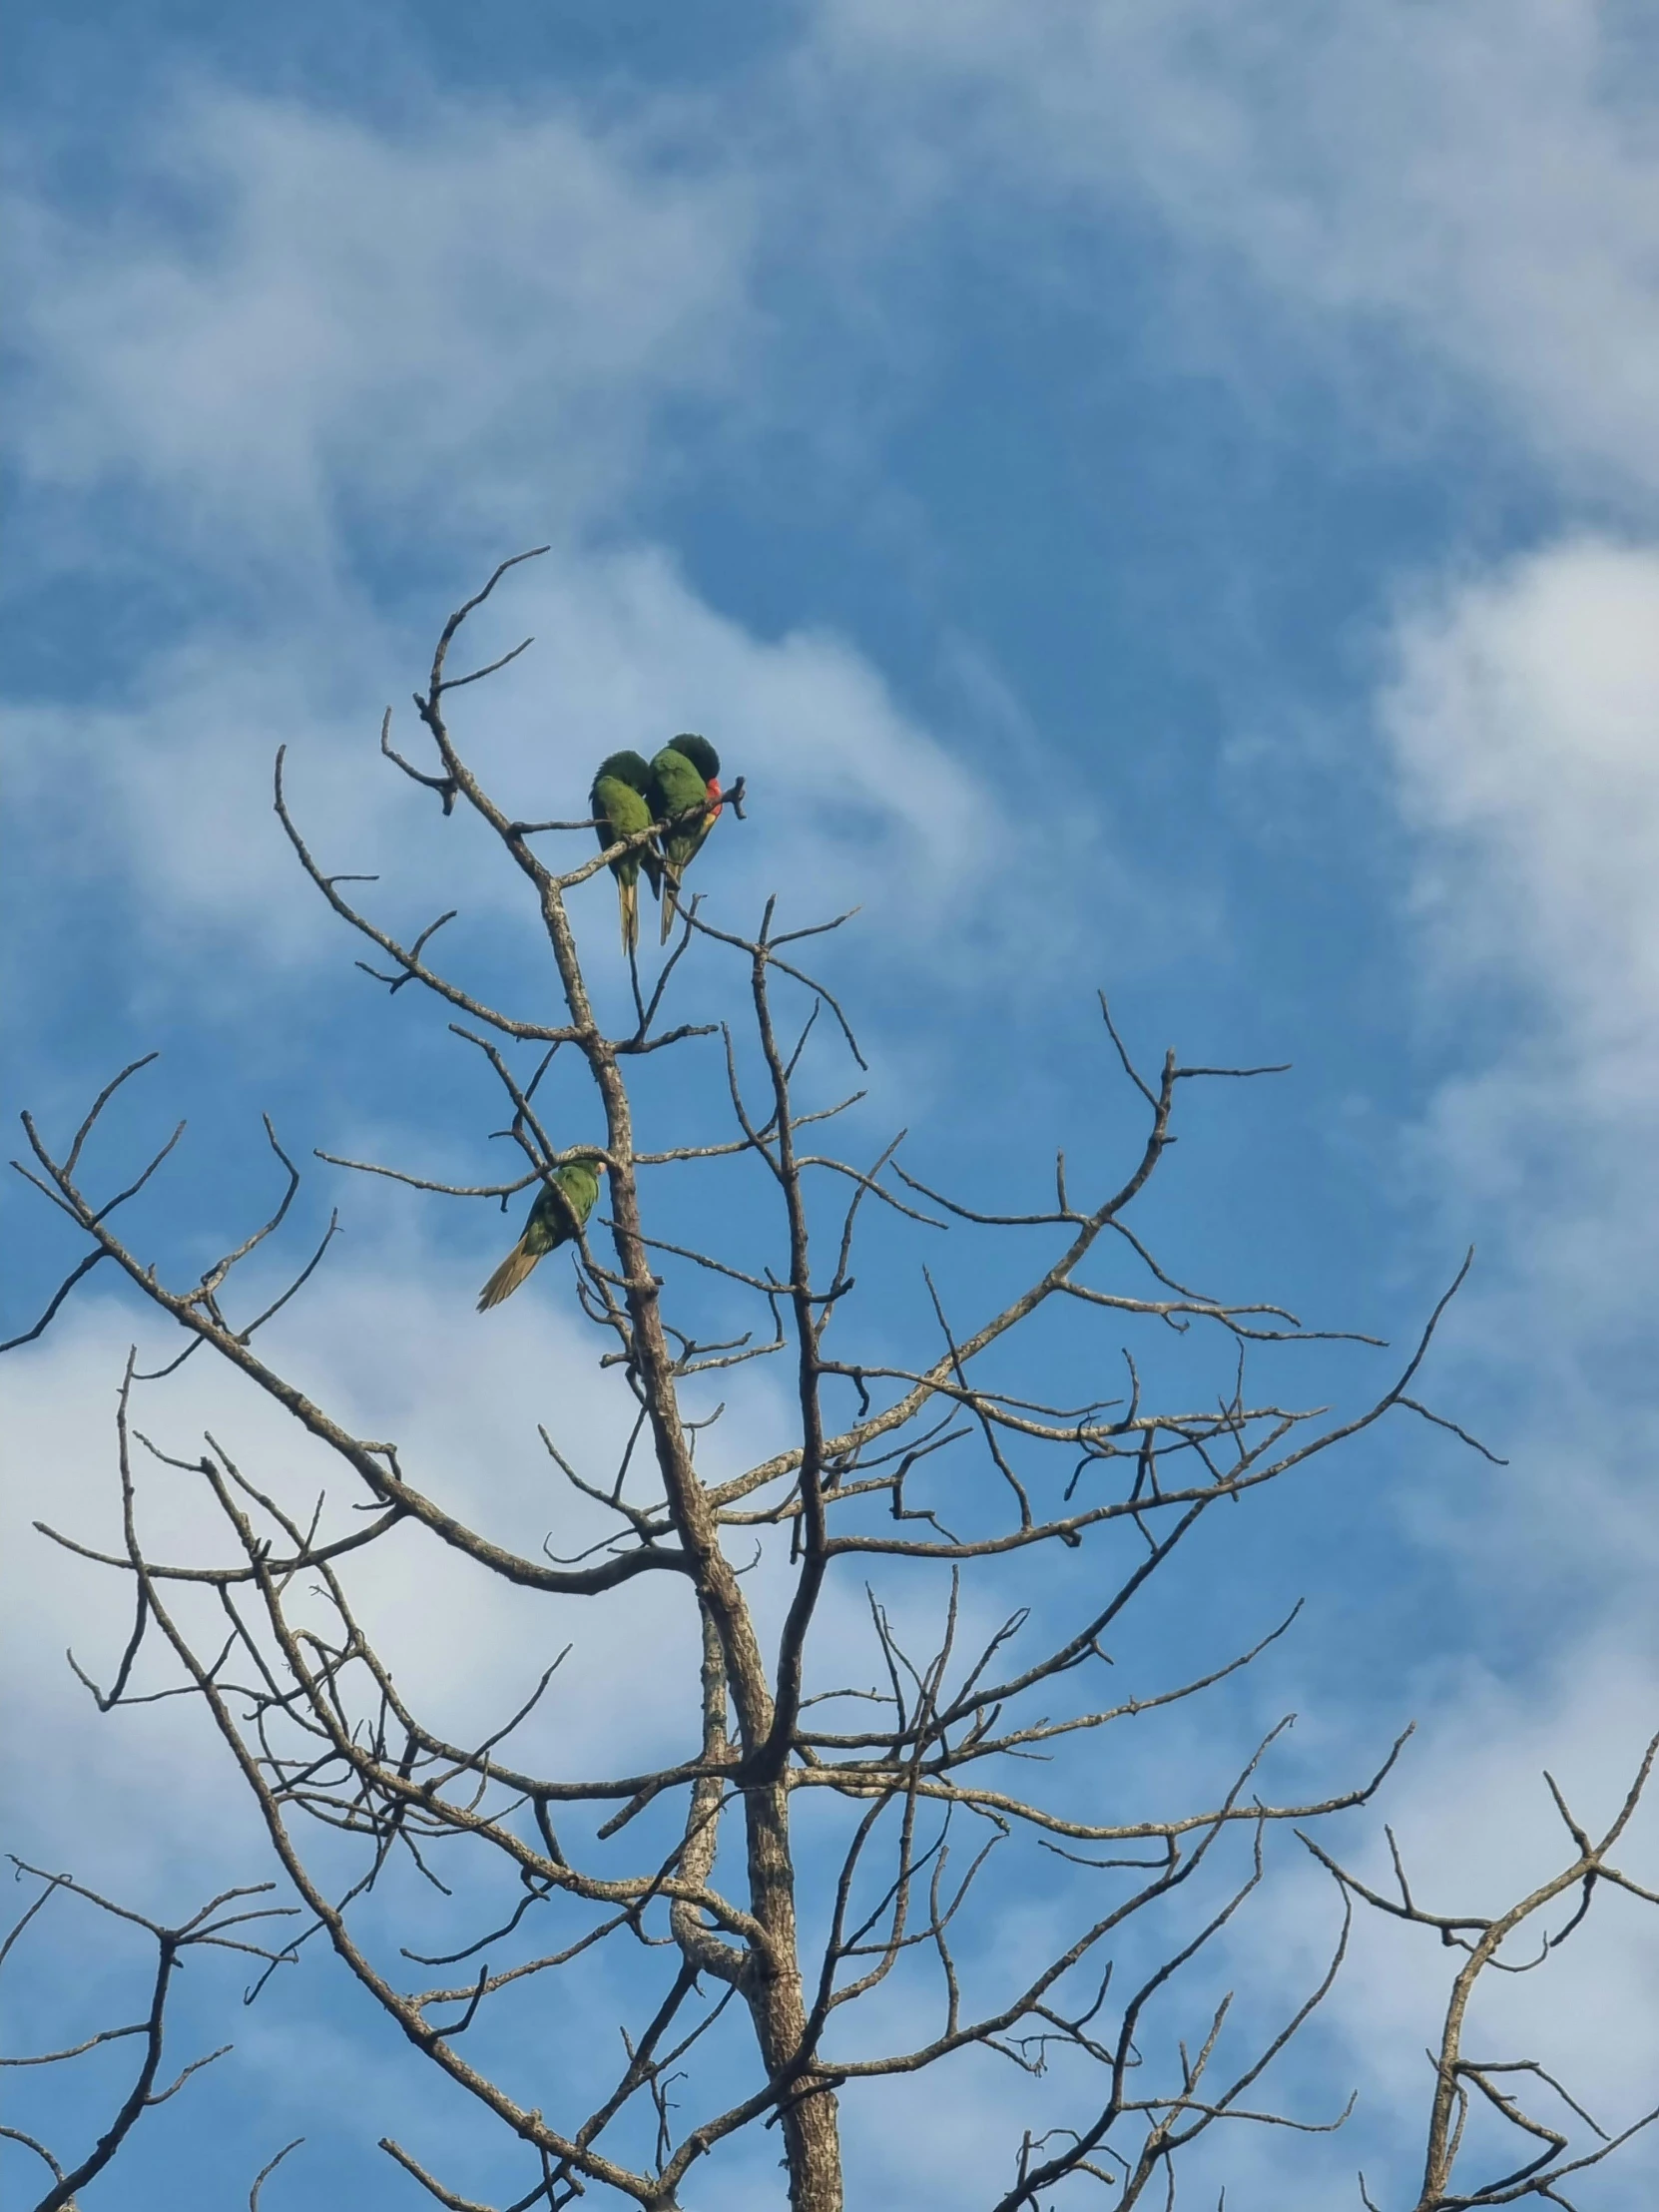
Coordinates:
(1165, 501)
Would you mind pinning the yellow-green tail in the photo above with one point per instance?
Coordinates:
(671, 908)
(508, 1276)
(628, 898)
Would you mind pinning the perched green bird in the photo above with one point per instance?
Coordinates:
(620, 805)
(684, 773)
(552, 1222)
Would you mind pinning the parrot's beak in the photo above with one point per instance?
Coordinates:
(714, 794)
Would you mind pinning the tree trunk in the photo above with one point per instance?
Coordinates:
(811, 2125)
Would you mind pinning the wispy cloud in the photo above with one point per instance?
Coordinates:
(293, 313)
(1471, 178)
(1523, 721)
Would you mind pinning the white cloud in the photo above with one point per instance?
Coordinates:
(296, 310)
(1524, 722)
(1525, 725)
(1474, 176)
(1522, 727)
(480, 314)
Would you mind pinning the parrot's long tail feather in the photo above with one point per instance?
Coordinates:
(671, 906)
(629, 896)
(507, 1277)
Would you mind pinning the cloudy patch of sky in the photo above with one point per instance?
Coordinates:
(1165, 501)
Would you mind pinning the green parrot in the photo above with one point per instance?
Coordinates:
(684, 773)
(549, 1225)
(620, 806)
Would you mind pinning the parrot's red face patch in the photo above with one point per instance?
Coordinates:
(714, 794)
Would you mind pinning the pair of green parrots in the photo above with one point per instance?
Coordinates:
(679, 789)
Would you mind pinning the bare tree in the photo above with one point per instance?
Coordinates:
(908, 1804)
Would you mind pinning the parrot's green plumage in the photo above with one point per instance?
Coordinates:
(621, 805)
(553, 1220)
(685, 775)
